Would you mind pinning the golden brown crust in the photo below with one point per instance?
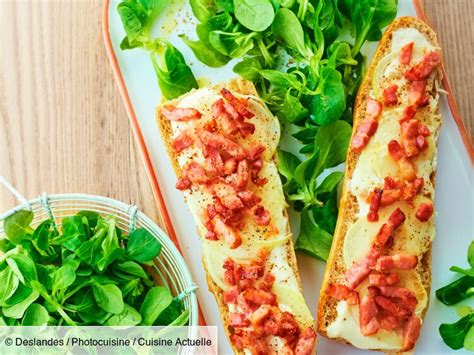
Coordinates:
(245, 88)
(348, 204)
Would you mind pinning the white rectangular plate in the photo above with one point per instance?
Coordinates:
(454, 190)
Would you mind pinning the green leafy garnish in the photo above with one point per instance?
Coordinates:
(175, 78)
(317, 202)
(457, 334)
(256, 15)
(90, 273)
(461, 333)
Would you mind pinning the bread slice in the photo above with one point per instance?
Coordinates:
(349, 208)
(241, 87)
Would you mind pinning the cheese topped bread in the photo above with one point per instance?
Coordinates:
(376, 288)
(222, 142)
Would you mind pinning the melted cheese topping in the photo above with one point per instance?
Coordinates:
(254, 237)
(373, 165)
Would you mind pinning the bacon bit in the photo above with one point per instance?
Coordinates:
(210, 235)
(253, 272)
(424, 101)
(258, 181)
(224, 117)
(423, 69)
(383, 235)
(181, 142)
(424, 211)
(416, 92)
(228, 196)
(211, 211)
(210, 126)
(257, 165)
(229, 273)
(180, 114)
(342, 292)
(232, 111)
(230, 295)
(390, 196)
(240, 105)
(373, 109)
(238, 320)
(408, 113)
(183, 183)
(411, 332)
(423, 130)
(361, 268)
(406, 298)
(409, 131)
(262, 216)
(391, 307)
(228, 216)
(376, 279)
(214, 164)
(246, 128)
(392, 191)
(407, 168)
(230, 166)
(366, 130)
(224, 144)
(396, 218)
(196, 173)
(305, 344)
(261, 314)
(228, 126)
(397, 261)
(391, 183)
(368, 316)
(389, 322)
(243, 175)
(390, 95)
(266, 283)
(373, 215)
(405, 53)
(259, 297)
(282, 324)
(249, 198)
(227, 233)
(218, 109)
(412, 189)
(421, 143)
(255, 152)
(395, 150)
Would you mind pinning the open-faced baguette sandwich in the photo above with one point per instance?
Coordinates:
(222, 142)
(376, 287)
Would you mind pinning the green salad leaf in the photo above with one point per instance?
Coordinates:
(142, 246)
(454, 334)
(256, 15)
(175, 77)
(51, 278)
(459, 334)
(17, 226)
(313, 240)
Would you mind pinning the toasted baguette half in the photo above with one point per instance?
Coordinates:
(349, 207)
(241, 87)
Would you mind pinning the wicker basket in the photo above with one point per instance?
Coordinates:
(169, 270)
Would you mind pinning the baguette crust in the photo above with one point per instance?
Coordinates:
(242, 87)
(327, 312)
